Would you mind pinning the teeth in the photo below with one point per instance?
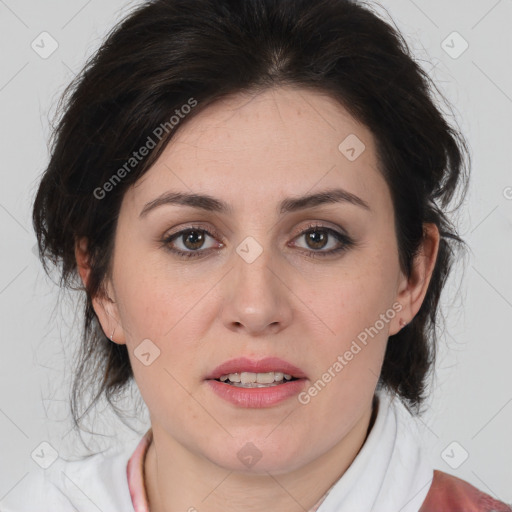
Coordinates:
(259, 378)
(265, 378)
(247, 377)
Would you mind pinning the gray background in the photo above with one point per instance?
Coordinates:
(470, 409)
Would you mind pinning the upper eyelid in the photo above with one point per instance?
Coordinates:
(209, 231)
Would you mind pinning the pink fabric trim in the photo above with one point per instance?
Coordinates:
(135, 476)
(448, 492)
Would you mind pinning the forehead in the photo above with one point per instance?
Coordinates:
(280, 142)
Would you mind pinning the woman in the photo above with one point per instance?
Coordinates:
(252, 194)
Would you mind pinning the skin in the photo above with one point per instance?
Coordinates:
(251, 152)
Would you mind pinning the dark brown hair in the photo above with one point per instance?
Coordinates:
(169, 51)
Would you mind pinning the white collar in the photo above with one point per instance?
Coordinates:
(391, 472)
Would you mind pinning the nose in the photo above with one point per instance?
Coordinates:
(257, 297)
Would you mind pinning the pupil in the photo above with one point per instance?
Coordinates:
(196, 244)
(317, 237)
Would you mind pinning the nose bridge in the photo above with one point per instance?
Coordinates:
(253, 264)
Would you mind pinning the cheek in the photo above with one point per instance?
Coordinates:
(358, 313)
(155, 297)
(355, 300)
(157, 314)
(355, 306)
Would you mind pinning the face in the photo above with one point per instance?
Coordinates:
(314, 283)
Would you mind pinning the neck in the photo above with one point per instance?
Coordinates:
(178, 479)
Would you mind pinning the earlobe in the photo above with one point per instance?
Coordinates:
(108, 315)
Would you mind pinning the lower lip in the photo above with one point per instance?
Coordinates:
(257, 397)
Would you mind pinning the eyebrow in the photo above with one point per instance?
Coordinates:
(291, 204)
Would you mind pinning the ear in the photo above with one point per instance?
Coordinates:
(412, 291)
(104, 303)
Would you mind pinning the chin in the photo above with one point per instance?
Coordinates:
(257, 455)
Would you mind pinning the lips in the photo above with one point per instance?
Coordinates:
(244, 364)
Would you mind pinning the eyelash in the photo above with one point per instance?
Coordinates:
(340, 237)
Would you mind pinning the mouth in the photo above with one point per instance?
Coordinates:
(255, 384)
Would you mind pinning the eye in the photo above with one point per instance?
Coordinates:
(190, 242)
(318, 237)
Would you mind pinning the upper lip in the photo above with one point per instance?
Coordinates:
(244, 364)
